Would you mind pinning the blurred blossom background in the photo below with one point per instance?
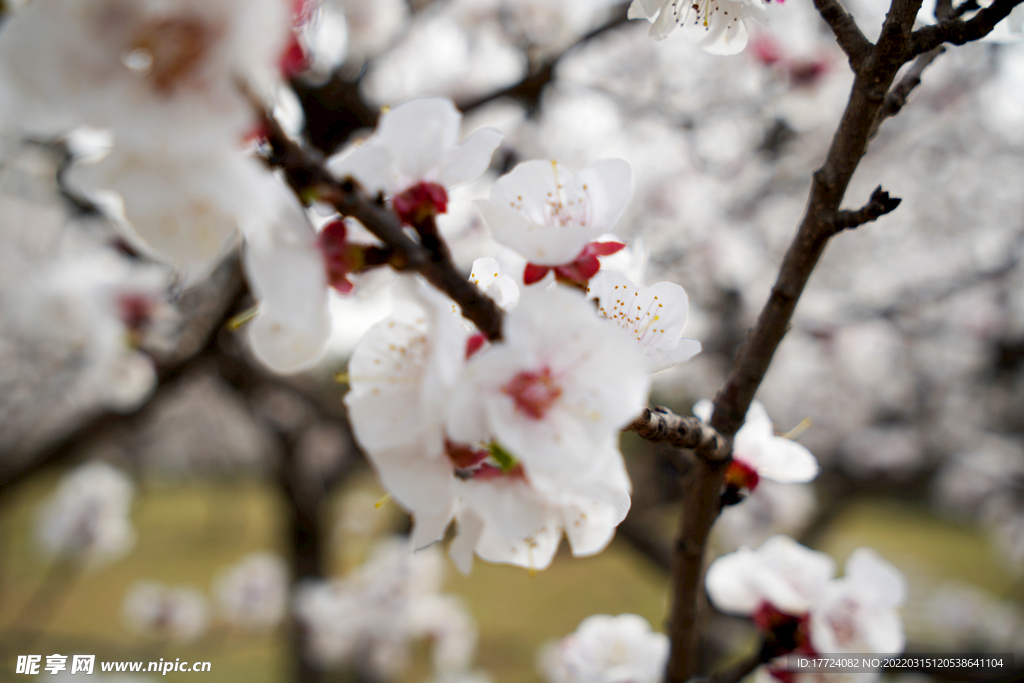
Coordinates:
(176, 501)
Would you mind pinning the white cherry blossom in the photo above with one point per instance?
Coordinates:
(487, 276)
(781, 573)
(549, 218)
(253, 594)
(403, 370)
(858, 613)
(87, 517)
(655, 315)
(413, 157)
(370, 617)
(151, 70)
(180, 207)
(177, 614)
(606, 649)
(557, 388)
(717, 26)
(93, 309)
(763, 454)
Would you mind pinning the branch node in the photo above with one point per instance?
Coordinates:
(879, 205)
(659, 424)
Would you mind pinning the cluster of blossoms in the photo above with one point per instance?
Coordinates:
(252, 595)
(792, 595)
(370, 618)
(516, 439)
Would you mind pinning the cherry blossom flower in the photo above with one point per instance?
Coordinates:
(790, 593)
(371, 617)
(413, 157)
(559, 387)
(487, 276)
(858, 613)
(717, 26)
(758, 452)
(87, 517)
(94, 309)
(401, 375)
(782, 575)
(550, 219)
(655, 315)
(181, 208)
(606, 649)
(153, 71)
(174, 613)
(403, 370)
(253, 594)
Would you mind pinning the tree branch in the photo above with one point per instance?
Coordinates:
(307, 175)
(849, 36)
(879, 205)
(529, 89)
(701, 501)
(661, 424)
(897, 97)
(957, 31)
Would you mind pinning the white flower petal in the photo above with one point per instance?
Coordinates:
(655, 316)
(286, 273)
(371, 166)
(461, 549)
(786, 462)
(469, 161)
(880, 582)
(548, 218)
(418, 134)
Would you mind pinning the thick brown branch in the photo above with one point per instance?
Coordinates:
(701, 501)
(879, 205)
(661, 424)
(307, 175)
(849, 36)
(897, 97)
(957, 31)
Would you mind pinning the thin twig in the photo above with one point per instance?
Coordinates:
(958, 31)
(307, 175)
(897, 97)
(849, 36)
(528, 90)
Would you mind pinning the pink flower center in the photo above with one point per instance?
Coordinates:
(419, 202)
(741, 475)
(533, 392)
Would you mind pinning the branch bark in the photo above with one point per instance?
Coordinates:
(661, 424)
(701, 504)
(307, 175)
(849, 36)
(897, 97)
(957, 31)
